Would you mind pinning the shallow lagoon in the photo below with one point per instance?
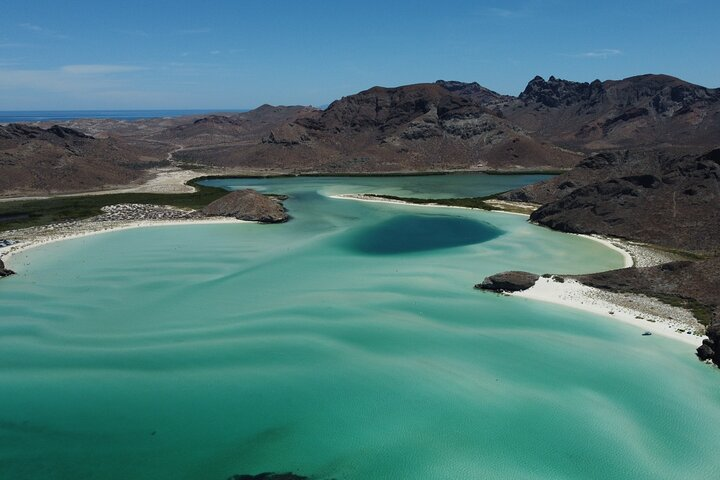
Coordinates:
(198, 352)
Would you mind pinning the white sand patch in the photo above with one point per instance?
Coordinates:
(37, 236)
(645, 313)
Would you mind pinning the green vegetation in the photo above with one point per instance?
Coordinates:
(470, 202)
(557, 171)
(682, 253)
(30, 213)
(703, 313)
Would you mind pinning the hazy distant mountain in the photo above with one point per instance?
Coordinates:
(36, 160)
(444, 125)
(219, 129)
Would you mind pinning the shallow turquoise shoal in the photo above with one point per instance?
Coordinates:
(347, 343)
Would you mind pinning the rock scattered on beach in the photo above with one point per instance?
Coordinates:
(710, 349)
(508, 282)
(141, 211)
(248, 205)
(268, 476)
(4, 272)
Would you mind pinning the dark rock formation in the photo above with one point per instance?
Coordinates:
(672, 201)
(710, 348)
(61, 159)
(269, 476)
(693, 284)
(454, 125)
(483, 96)
(445, 125)
(508, 282)
(248, 205)
(4, 272)
(641, 111)
(668, 201)
(433, 126)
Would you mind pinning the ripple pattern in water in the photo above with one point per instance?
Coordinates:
(199, 352)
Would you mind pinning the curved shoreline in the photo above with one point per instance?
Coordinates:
(645, 313)
(628, 308)
(88, 228)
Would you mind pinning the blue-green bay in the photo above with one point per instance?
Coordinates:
(347, 343)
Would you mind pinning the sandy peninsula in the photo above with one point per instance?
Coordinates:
(646, 313)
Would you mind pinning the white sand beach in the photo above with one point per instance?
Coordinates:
(646, 313)
(37, 236)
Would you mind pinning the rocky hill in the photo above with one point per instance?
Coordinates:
(5, 272)
(673, 202)
(217, 129)
(440, 126)
(454, 125)
(60, 159)
(646, 111)
(668, 201)
(248, 205)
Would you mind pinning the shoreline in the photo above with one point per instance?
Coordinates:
(87, 228)
(164, 180)
(646, 313)
(174, 179)
(633, 309)
(365, 198)
(654, 316)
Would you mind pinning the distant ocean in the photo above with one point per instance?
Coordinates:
(65, 115)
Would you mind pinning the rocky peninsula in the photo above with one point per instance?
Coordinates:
(244, 205)
(249, 205)
(667, 202)
(4, 272)
(508, 282)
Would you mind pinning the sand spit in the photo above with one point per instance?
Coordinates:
(114, 217)
(647, 313)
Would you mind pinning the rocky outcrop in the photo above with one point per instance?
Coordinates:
(709, 351)
(508, 281)
(654, 198)
(668, 201)
(483, 96)
(4, 272)
(644, 111)
(269, 476)
(248, 205)
(555, 93)
(691, 284)
(60, 159)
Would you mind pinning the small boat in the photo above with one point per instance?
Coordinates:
(646, 334)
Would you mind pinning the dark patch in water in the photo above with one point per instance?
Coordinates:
(419, 233)
(269, 476)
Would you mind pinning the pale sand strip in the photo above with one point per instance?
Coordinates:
(164, 180)
(366, 198)
(644, 312)
(37, 236)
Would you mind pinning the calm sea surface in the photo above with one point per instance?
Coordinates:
(65, 115)
(345, 344)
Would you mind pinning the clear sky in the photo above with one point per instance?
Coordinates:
(76, 54)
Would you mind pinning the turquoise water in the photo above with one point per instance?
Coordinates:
(323, 347)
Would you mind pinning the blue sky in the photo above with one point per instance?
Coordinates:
(75, 54)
